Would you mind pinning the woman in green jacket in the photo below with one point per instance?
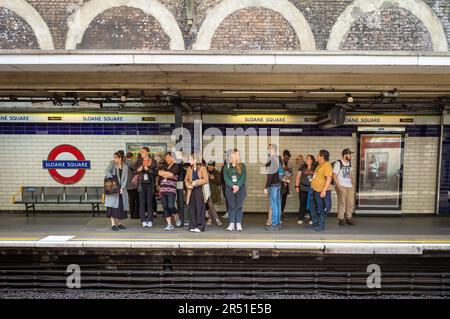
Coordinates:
(235, 176)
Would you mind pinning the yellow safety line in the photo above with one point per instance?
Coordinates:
(206, 240)
(261, 240)
(19, 238)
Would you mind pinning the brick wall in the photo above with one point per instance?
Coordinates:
(396, 28)
(15, 32)
(388, 28)
(125, 28)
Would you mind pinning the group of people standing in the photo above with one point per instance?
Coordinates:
(194, 183)
(313, 183)
(199, 185)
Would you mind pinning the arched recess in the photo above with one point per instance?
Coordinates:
(34, 20)
(360, 7)
(80, 20)
(217, 14)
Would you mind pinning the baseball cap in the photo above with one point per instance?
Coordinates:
(347, 151)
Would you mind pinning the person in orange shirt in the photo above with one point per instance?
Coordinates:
(321, 191)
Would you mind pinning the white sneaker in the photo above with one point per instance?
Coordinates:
(300, 222)
(218, 222)
(169, 227)
(230, 227)
(238, 227)
(196, 230)
(149, 224)
(144, 224)
(225, 215)
(192, 230)
(178, 223)
(310, 222)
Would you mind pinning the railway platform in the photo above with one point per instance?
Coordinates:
(372, 235)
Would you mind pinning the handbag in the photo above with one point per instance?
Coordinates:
(206, 192)
(135, 180)
(111, 185)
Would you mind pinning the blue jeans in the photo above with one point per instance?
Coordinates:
(168, 203)
(319, 208)
(275, 204)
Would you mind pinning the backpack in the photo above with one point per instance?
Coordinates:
(342, 165)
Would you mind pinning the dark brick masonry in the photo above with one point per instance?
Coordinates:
(255, 28)
(396, 28)
(15, 31)
(125, 28)
(247, 29)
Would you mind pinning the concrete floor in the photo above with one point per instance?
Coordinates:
(17, 227)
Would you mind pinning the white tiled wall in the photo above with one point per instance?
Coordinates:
(420, 174)
(23, 155)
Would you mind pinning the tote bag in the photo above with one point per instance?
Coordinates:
(111, 185)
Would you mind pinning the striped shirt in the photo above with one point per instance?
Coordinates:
(169, 185)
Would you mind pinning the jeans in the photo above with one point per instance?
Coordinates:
(275, 204)
(319, 209)
(168, 203)
(235, 204)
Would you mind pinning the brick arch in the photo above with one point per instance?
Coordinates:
(34, 20)
(216, 15)
(361, 7)
(80, 20)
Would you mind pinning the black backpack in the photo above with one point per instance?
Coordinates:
(342, 165)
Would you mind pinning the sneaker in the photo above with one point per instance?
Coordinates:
(225, 216)
(209, 222)
(178, 223)
(310, 222)
(191, 230)
(122, 226)
(196, 230)
(272, 228)
(115, 228)
(341, 222)
(218, 222)
(268, 223)
(350, 222)
(169, 227)
(230, 227)
(300, 222)
(238, 227)
(149, 224)
(144, 224)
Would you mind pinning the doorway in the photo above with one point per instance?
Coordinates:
(380, 170)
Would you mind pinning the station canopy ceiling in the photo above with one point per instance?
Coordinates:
(232, 82)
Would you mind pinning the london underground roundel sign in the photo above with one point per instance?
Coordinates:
(66, 164)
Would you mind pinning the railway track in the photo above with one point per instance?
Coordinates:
(225, 272)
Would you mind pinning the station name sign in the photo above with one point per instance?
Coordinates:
(306, 119)
(87, 118)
